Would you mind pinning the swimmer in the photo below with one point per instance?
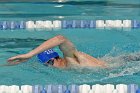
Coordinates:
(72, 57)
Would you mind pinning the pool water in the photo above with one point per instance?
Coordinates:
(110, 45)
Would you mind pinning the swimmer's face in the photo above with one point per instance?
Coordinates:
(59, 62)
(56, 62)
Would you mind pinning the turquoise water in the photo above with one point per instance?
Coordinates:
(110, 45)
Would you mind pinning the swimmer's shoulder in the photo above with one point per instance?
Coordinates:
(87, 60)
(72, 60)
(82, 59)
(78, 58)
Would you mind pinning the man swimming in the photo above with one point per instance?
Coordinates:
(72, 57)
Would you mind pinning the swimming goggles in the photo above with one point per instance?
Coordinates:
(50, 62)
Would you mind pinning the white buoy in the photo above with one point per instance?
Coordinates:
(100, 24)
(13, 89)
(4, 89)
(48, 24)
(121, 88)
(84, 88)
(127, 24)
(19, 91)
(109, 23)
(30, 25)
(39, 24)
(115, 91)
(97, 88)
(118, 23)
(26, 89)
(91, 91)
(56, 24)
(108, 88)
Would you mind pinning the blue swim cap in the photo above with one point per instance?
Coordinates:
(47, 55)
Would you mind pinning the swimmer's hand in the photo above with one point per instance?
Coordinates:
(18, 59)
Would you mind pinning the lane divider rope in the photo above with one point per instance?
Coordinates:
(108, 88)
(69, 24)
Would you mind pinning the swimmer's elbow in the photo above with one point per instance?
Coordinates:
(61, 38)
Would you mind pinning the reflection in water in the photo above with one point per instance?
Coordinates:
(19, 43)
(61, 0)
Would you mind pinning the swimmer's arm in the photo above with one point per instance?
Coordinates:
(55, 41)
(59, 40)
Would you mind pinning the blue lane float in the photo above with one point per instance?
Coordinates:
(88, 24)
(43, 91)
(49, 88)
(76, 24)
(3, 25)
(22, 25)
(12, 25)
(61, 88)
(136, 23)
(67, 91)
(85, 24)
(132, 88)
(73, 88)
(55, 88)
(138, 91)
(37, 88)
(67, 24)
